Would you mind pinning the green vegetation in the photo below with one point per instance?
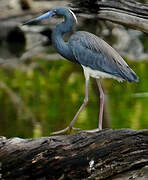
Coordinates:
(36, 101)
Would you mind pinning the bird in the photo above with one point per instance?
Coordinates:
(97, 58)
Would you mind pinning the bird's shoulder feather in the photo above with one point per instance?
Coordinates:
(97, 45)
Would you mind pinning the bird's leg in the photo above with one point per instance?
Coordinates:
(101, 109)
(70, 127)
(101, 104)
(82, 106)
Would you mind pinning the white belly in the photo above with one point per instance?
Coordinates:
(88, 72)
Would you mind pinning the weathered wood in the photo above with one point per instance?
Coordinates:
(17, 14)
(129, 13)
(84, 155)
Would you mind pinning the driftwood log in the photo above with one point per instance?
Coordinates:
(112, 154)
(129, 13)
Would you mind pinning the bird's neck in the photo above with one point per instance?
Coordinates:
(57, 35)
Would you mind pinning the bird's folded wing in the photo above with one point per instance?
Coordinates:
(91, 51)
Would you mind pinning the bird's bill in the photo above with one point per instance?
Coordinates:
(44, 16)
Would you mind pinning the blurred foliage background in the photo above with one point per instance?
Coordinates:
(38, 96)
(43, 99)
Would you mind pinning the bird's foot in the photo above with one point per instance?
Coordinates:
(93, 130)
(67, 130)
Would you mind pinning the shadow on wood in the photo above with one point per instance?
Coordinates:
(105, 154)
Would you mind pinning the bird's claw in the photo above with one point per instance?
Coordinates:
(67, 130)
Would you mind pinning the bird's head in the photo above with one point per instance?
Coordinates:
(60, 11)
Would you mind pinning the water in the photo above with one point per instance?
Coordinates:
(40, 100)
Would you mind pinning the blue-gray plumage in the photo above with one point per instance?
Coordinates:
(95, 53)
(97, 58)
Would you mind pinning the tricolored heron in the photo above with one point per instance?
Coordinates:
(97, 58)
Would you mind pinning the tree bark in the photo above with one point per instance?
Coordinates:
(105, 154)
(129, 13)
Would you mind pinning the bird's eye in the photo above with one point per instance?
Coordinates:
(55, 11)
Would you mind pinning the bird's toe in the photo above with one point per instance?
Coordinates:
(67, 130)
(93, 130)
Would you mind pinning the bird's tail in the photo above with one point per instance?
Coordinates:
(135, 78)
(130, 75)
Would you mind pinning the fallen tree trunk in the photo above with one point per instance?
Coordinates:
(84, 155)
(129, 13)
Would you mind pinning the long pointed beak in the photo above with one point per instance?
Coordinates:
(44, 16)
